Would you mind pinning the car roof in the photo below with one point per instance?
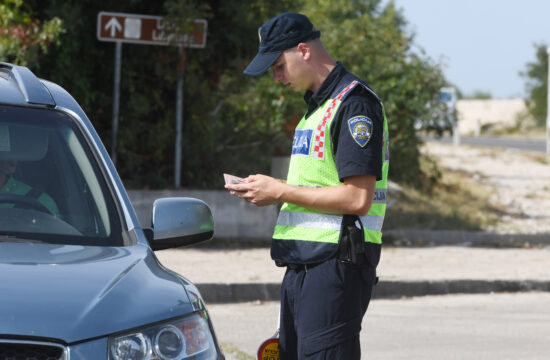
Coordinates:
(23, 87)
(20, 86)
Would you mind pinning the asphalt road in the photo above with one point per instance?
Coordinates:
(458, 326)
(491, 327)
(534, 145)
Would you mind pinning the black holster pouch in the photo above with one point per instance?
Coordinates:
(351, 244)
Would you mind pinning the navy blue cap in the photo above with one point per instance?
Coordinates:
(277, 35)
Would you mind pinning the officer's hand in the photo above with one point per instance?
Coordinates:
(260, 190)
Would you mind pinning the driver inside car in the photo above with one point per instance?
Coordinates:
(10, 186)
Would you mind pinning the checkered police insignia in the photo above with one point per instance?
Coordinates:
(360, 128)
(319, 136)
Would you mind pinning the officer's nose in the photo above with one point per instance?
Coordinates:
(277, 75)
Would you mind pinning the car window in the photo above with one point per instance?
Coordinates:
(51, 187)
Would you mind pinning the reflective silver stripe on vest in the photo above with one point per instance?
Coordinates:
(309, 220)
(372, 222)
(322, 221)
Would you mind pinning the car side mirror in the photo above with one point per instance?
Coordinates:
(179, 222)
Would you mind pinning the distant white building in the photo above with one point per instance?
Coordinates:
(496, 114)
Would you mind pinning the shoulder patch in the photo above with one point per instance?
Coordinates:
(360, 128)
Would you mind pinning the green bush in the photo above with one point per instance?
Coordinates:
(232, 122)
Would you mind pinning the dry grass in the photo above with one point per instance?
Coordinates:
(235, 352)
(540, 158)
(455, 201)
(531, 133)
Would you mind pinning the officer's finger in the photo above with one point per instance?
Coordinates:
(253, 178)
(235, 187)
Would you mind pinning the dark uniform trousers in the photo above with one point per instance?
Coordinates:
(322, 307)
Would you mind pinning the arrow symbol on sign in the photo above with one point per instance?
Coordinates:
(114, 25)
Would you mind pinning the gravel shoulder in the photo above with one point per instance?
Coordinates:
(397, 263)
(457, 327)
(521, 183)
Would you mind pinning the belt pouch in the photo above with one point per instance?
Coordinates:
(352, 243)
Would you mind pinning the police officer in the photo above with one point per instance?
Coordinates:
(328, 233)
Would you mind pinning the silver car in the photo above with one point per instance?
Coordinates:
(78, 275)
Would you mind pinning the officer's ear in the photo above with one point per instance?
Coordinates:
(305, 50)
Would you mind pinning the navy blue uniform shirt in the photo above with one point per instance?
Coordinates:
(350, 157)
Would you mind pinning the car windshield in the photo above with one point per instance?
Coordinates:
(51, 188)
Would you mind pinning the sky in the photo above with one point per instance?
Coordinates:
(483, 44)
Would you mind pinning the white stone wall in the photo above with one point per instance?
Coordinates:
(233, 217)
(500, 113)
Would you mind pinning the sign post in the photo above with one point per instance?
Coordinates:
(148, 30)
(548, 109)
(116, 101)
(179, 118)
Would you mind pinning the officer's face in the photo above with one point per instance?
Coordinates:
(291, 70)
(7, 167)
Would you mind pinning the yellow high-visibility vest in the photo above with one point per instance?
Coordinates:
(305, 236)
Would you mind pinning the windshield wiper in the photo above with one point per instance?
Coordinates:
(8, 237)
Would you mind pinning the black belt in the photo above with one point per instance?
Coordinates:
(297, 267)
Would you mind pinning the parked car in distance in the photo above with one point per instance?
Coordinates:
(78, 275)
(443, 116)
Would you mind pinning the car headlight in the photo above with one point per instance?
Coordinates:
(179, 339)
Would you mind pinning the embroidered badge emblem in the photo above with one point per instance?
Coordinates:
(360, 128)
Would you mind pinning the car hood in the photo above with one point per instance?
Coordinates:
(74, 293)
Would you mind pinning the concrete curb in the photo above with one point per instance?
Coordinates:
(399, 289)
(243, 292)
(417, 238)
(426, 238)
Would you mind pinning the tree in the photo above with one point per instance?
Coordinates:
(371, 42)
(23, 38)
(232, 122)
(216, 138)
(479, 95)
(537, 85)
